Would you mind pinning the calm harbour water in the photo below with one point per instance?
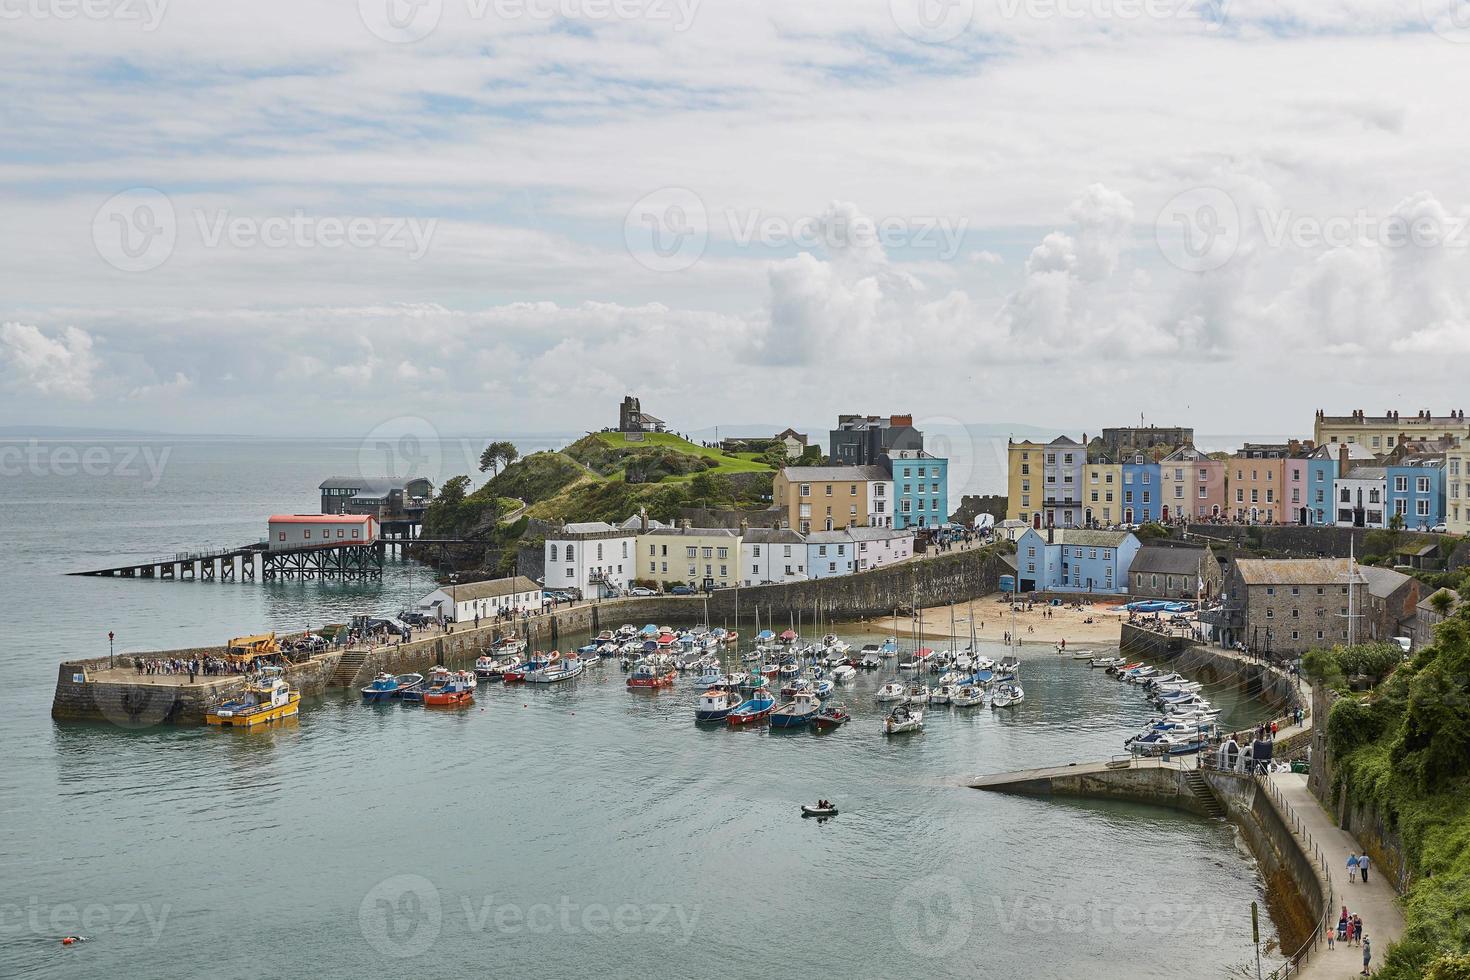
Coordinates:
(583, 830)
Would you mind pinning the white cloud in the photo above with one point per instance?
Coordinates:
(62, 365)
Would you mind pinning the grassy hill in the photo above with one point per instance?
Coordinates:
(606, 477)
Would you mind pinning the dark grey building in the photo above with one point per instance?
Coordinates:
(863, 440)
(384, 499)
(1119, 442)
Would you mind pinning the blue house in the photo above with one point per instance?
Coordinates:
(830, 554)
(920, 488)
(1321, 473)
(1142, 494)
(1416, 491)
(1074, 560)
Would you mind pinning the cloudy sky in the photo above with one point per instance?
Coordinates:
(293, 216)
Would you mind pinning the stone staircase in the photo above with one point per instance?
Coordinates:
(348, 668)
(1207, 800)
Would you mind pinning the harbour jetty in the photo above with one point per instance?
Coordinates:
(112, 690)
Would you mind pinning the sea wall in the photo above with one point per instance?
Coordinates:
(1156, 783)
(1213, 666)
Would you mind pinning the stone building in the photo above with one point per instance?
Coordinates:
(1175, 571)
(632, 418)
(1116, 443)
(1287, 606)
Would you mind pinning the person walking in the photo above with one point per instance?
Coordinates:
(1363, 866)
(1367, 957)
(1352, 867)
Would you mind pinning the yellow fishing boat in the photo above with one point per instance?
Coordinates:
(267, 698)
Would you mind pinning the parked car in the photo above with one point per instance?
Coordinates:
(641, 591)
(1440, 528)
(682, 590)
(414, 618)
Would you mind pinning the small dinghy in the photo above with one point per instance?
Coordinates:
(807, 810)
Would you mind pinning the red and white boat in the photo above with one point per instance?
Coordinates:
(459, 689)
(649, 676)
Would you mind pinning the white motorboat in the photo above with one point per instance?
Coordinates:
(1082, 655)
(890, 692)
(903, 719)
(1106, 662)
(844, 673)
(953, 677)
(1007, 696)
(968, 696)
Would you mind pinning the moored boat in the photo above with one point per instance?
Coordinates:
(386, 687)
(831, 716)
(557, 671)
(968, 696)
(1007, 696)
(890, 692)
(459, 689)
(800, 710)
(267, 698)
(903, 719)
(755, 708)
(651, 676)
(716, 704)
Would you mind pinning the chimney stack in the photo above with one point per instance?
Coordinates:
(744, 526)
(1342, 460)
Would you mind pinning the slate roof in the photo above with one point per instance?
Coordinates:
(490, 588)
(1292, 571)
(1157, 560)
(835, 474)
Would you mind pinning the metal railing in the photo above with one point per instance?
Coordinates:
(1294, 961)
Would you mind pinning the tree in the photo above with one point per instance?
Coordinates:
(498, 454)
(1441, 601)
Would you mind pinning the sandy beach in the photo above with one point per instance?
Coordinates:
(1040, 625)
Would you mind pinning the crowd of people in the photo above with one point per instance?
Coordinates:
(1349, 932)
(195, 666)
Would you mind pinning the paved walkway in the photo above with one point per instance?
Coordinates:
(1375, 901)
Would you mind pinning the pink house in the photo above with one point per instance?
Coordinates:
(1200, 481)
(1294, 490)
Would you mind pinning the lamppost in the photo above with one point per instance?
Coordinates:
(454, 596)
(109, 649)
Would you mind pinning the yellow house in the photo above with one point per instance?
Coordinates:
(1457, 488)
(1102, 500)
(699, 557)
(1025, 482)
(833, 498)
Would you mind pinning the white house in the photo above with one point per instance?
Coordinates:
(772, 555)
(879, 546)
(462, 603)
(881, 504)
(320, 530)
(595, 558)
(1360, 498)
